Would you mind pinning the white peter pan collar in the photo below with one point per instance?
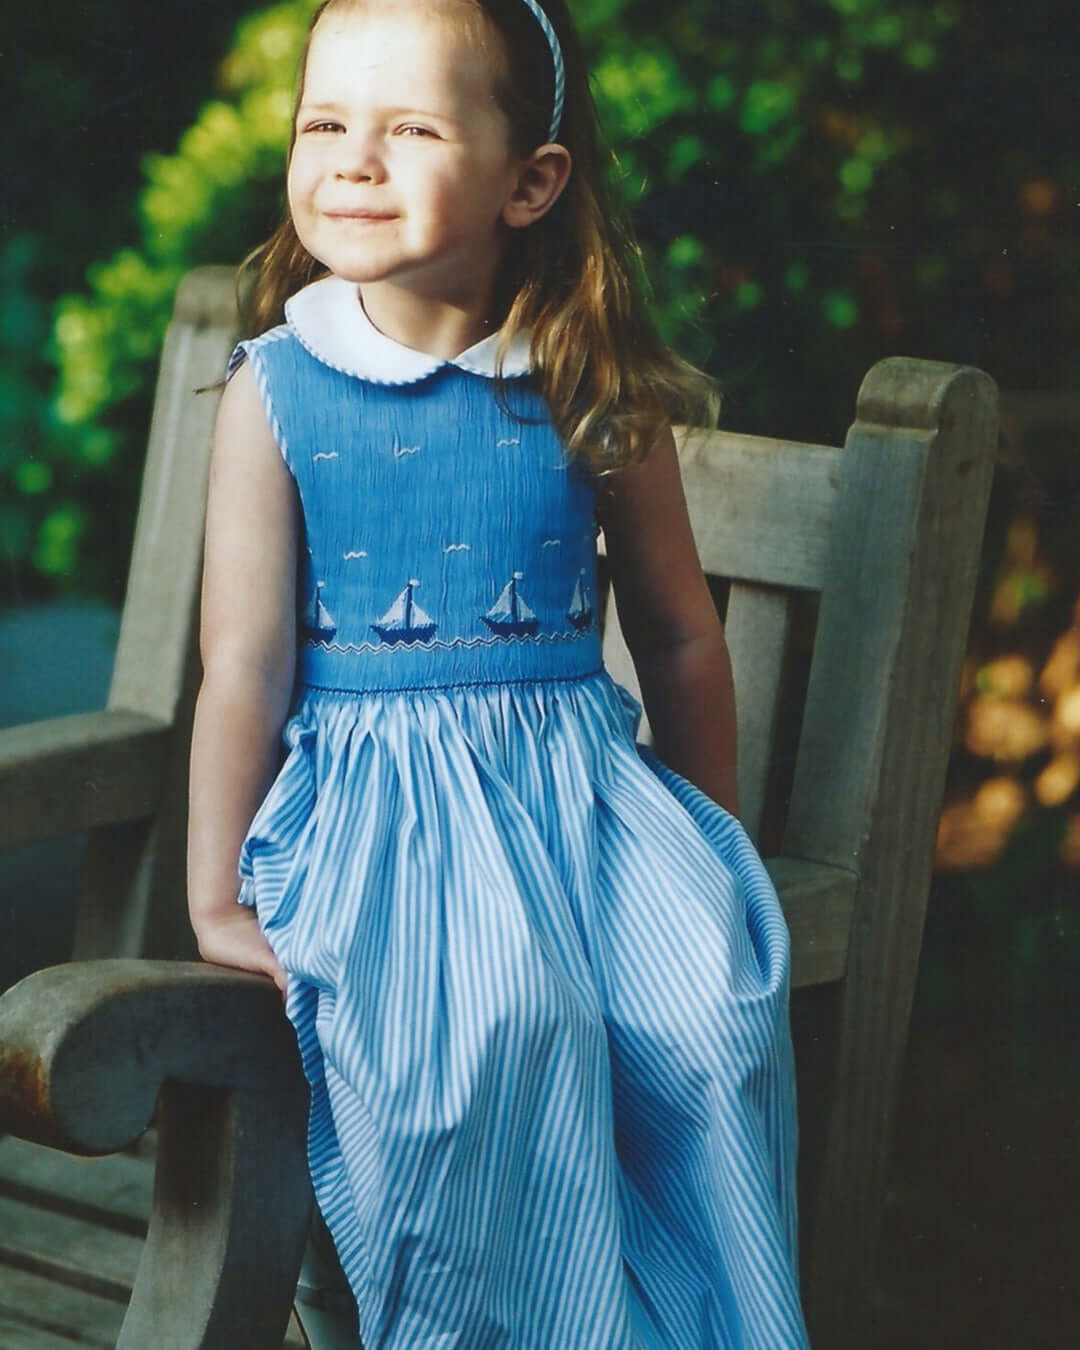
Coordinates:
(330, 322)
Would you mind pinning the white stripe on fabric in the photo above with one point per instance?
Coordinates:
(540, 990)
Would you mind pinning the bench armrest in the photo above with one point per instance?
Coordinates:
(89, 1051)
(85, 1047)
(818, 900)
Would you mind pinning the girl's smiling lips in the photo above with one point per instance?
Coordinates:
(358, 213)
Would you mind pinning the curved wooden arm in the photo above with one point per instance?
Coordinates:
(85, 1047)
(86, 1052)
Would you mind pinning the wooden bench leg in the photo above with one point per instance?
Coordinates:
(230, 1216)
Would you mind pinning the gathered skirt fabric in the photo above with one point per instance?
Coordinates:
(539, 984)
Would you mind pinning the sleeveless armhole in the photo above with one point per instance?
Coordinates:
(249, 351)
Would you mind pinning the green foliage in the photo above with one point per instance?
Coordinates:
(214, 198)
(790, 171)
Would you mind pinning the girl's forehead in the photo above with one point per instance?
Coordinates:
(443, 46)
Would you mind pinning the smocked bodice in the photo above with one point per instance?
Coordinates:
(448, 538)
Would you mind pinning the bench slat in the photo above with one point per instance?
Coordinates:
(818, 901)
(163, 583)
(761, 509)
(36, 1313)
(757, 626)
(113, 1192)
(67, 774)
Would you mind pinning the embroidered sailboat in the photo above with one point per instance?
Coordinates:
(405, 621)
(316, 619)
(510, 616)
(580, 612)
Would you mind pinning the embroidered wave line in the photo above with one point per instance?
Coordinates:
(443, 644)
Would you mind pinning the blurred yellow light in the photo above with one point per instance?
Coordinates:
(1067, 711)
(1004, 729)
(972, 833)
(1062, 668)
(999, 802)
(1008, 676)
(1059, 780)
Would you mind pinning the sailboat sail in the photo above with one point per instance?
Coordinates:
(405, 621)
(316, 618)
(580, 612)
(510, 616)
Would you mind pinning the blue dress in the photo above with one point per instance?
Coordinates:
(539, 981)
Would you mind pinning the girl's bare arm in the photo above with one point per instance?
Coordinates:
(670, 622)
(248, 653)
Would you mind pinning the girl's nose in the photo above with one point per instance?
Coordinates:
(359, 159)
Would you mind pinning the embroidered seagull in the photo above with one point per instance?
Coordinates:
(551, 543)
(509, 440)
(401, 450)
(456, 548)
(355, 553)
(325, 454)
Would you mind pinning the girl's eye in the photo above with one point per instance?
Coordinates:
(323, 126)
(411, 129)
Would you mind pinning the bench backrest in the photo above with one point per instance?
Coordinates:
(850, 578)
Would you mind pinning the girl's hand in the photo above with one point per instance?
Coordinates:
(234, 939)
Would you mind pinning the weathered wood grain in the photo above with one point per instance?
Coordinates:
(111, 1192)
(89, 1049)
(757, 626)
(232, 1202)
(68, 774)
(207, 297)
(85, 1047)
(163, 581)
(79, 1223)
(876, 736)
(36, 1313)
(72, 1251)
(760, 509)
(133, 901)
(817, 901)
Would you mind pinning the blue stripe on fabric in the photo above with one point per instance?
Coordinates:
(540, 990)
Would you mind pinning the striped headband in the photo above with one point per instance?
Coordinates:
(556, 61)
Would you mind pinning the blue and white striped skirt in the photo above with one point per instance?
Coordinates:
(540, 987)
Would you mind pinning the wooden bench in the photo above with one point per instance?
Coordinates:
(849, 576)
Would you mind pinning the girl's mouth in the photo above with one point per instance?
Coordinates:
(359, 215)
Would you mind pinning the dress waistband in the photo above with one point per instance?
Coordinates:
(374, 667)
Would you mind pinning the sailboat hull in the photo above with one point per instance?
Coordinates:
(512, 627)
(422, 632)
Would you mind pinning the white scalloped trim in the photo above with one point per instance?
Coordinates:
(329, 321)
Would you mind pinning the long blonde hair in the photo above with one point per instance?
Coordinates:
(573, 280)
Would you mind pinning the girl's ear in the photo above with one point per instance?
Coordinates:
(540, 182)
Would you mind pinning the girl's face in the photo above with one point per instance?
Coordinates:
(401, 170)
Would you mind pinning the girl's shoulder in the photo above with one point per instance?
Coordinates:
(248, 348)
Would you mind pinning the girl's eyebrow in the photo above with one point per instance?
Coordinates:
(406, 110)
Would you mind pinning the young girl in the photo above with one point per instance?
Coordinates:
(538, 979)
